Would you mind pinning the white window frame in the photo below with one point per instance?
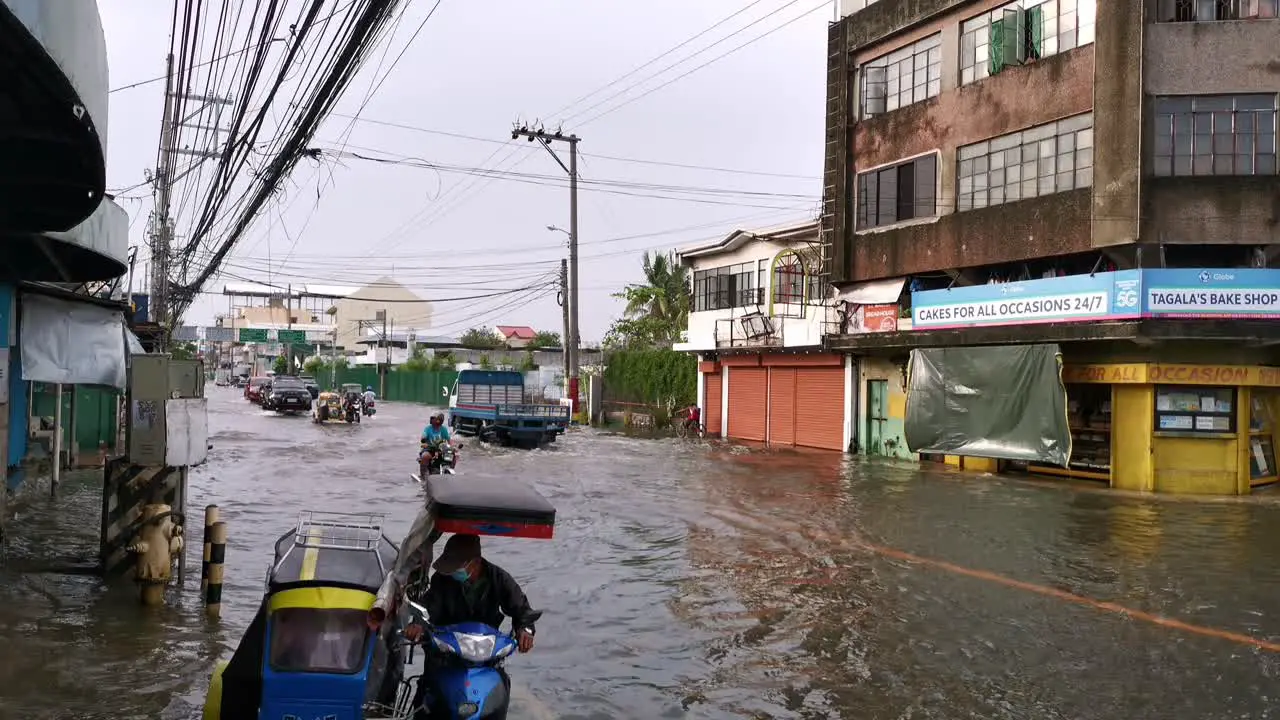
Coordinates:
(983, 169)
(881, 80)
(1068, 24)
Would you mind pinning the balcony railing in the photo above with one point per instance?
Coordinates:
(747, 331)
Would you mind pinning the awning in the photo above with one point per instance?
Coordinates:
(69, 342)
(876, 292)
(133, 344)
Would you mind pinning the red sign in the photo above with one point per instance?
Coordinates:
(877, 318)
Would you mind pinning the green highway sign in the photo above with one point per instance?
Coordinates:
(294, 337)
(250, 335)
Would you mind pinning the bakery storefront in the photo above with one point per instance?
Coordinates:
(1191, 429)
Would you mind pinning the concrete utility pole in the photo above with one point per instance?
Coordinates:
(571, 340)
(564, 306)
(166, 176)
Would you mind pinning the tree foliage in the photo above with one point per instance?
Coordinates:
(418, 360)
(281, 366)
(657, 309)
(315, 365)
(545, 339)
(480, 339)
(183, 351)
(664, 377)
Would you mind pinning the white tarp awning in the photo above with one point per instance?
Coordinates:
(133, 344)
(72, 343)
(876, 292)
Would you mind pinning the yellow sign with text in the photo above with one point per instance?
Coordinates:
(1162, 374)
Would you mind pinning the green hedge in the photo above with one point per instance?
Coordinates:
(654, 377)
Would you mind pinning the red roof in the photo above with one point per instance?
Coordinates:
(518, 332)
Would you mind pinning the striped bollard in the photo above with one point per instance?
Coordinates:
(217, 556)
(210, 517)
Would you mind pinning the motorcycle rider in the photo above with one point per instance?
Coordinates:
(434, 435)
(369, 395)
(692, 417)
(468, 588)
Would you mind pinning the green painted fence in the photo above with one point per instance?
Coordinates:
(425, 387)
(95, 412)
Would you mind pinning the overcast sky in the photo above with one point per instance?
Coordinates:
(477, 67)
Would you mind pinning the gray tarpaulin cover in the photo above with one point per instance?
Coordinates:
(996, 402)
(72, 343)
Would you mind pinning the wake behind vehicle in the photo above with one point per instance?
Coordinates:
(489, 404)
(327, 641)
(287, 395)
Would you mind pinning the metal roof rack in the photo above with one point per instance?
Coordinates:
(339, 531)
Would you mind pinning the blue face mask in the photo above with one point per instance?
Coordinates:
(461, 575)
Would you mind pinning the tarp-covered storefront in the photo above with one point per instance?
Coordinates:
(1003, 402)
(70, 342)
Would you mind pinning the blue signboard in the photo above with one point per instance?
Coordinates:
(1211, 293)
(1072, 298)
(8, 320)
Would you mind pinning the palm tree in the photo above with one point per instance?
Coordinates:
(661, 302)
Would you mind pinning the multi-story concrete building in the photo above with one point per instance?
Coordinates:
(1096, 173)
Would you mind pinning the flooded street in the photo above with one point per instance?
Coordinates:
(691, 580)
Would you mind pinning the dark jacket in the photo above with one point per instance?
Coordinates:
(498, 594)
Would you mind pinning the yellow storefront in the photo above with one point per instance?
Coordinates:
(1188, 429)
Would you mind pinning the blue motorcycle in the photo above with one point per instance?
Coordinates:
(464, 676)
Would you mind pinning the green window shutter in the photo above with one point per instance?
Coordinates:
(995, 46)
(1035, 32)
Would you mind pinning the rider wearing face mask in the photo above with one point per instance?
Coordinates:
(468, 588)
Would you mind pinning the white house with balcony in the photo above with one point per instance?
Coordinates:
(759, 313)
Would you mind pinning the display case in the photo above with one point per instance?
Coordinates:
(1191, 410)
(1262, 454)
(1089, 417)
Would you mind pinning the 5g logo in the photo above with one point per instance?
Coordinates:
(1126, 298)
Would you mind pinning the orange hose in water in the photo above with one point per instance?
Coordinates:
(1165, 622)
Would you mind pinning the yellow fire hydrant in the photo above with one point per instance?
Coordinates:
(159, 542)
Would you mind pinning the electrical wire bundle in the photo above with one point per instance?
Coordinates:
(275, 113)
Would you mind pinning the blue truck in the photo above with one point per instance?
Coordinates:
(490, 405)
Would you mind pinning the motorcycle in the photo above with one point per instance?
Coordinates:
(351, 409)
(444, 462)
(465, 676)
(369, 407)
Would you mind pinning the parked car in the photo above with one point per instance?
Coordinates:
(287, 395)
(312, 386)
(253, 389)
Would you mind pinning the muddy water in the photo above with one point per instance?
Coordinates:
(693, 581)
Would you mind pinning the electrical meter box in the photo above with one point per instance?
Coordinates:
(153, 381)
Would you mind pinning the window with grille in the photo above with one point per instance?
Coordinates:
(1216, 10)
(1215, 135)
(1037, 161)
(789, 280)
(905, 76)
(899, 192)
(1021, 32)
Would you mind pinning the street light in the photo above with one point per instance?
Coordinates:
(553, 228)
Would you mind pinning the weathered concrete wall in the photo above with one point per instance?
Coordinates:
(1212, 57)
(1117, 122)
(1055, 87)
(1056, 224)
(883, 18)
(1213, 210)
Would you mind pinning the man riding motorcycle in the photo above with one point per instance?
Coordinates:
(434, 437)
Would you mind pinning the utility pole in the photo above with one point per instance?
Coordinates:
(571, 340)
(564, 306)
(166, 175)
(288, 319)
(382, 375)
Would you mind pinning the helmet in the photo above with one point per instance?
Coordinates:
(369, 388)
